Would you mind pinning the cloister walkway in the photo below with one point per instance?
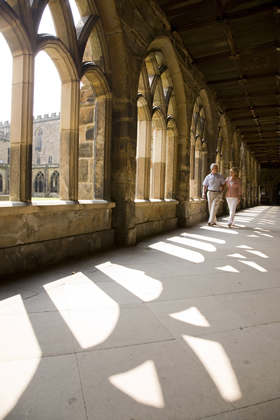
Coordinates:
(185, 325)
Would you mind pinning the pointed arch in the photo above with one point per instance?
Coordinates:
(197, 133)
(69, 117)
(22, 103)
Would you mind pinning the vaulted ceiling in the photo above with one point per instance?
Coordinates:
(236, 45)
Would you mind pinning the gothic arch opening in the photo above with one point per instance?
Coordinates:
(157, 133)
(197, 157)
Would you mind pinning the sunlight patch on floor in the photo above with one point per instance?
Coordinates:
(191, 316)
(185, 254)
(91, 314)
(194, 244)
(228, 268)
(216, 229)
(17, 334)
(215, 360)
(258, 253)
(141, 384)
(205, 238)
(236, 256)
(255, 265)
(263, 230)
(137, 282)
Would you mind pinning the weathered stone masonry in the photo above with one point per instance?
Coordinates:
(135, 141)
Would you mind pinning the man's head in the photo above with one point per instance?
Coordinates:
(214, 168)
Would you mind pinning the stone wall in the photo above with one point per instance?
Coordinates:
(152, 218)
(50, 126)
(34, 236)
(98, 133)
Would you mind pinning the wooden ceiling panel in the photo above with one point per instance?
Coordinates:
(253, 30)
(213, 40)
(236, 45)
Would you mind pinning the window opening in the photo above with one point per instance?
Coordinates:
(156, 145)
(46, 121)
(54, 187)
(6, 71)
(39, 183)
(38, 139)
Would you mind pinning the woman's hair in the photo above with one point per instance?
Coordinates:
(235, 170)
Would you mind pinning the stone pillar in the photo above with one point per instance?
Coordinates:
(192, 167)
(183, 177)
(123, 171)
(158, 162)
(21, 128)
(143, 159)
(197, 177)
(68, 177)
(171, 163)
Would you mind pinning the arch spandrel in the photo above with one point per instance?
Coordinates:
(14, 32)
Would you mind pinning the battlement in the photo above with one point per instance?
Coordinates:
(45, 117)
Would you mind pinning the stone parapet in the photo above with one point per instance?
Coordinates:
(27, 231)
(153, 217)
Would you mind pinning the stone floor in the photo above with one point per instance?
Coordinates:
(185, 325)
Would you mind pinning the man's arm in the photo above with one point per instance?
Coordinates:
(223, 187)
(204, 190)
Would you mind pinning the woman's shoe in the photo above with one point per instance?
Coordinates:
(229, 225)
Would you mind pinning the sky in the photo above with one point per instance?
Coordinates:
(46, 95)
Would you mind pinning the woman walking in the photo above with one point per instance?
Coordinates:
(233, 193)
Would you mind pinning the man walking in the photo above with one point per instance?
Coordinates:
(215, 184)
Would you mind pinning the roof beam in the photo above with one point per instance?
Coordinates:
(222, 16)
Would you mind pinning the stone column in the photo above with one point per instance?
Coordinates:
(159, 162)
(197, 169)
(143, 159)
(192, 167)
(123, 171)
(68, 177)
(171, 163)
(183, 177)
(21, 128)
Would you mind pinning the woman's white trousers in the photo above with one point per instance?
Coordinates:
(232, 204)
